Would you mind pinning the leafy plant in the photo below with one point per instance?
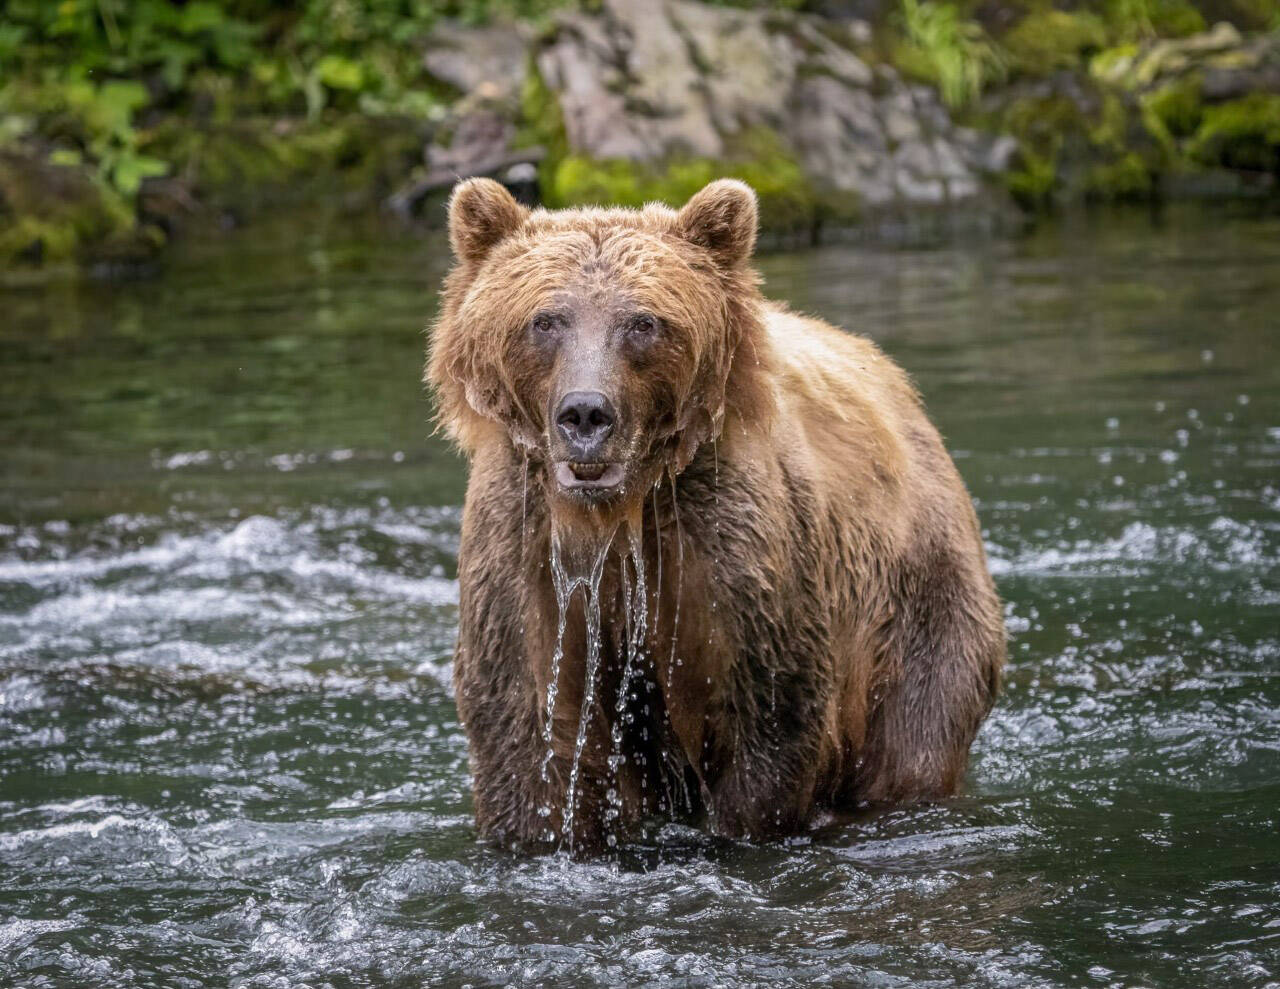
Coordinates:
(945, 48)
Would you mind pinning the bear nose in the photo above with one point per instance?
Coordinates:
(585, 419)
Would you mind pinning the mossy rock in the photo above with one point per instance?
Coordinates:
(51, 213)
(1178, 106)
(1242, 134)
(1114, 64)
(1031, 182)
(1081, 142)
(789, 204)
(246, 161)
(1127, 178)
(1172, 18)
(1047, 40)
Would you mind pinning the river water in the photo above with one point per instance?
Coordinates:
(229, 754)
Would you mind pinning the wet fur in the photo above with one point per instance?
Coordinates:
(813, 561)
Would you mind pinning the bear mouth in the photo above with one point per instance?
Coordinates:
(573, 475)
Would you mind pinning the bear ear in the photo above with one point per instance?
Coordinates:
(481, 213)
(722, 218)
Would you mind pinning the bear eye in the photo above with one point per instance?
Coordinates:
(643, 325)
(544, 322)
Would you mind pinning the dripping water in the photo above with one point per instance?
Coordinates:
(675, 620)
(524, 505)
(616, 758)
(657, 539)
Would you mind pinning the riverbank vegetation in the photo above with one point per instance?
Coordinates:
(121, 119)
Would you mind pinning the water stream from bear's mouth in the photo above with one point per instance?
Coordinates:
(565, 585)
(633, 588)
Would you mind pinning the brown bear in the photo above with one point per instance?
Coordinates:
(716, 564)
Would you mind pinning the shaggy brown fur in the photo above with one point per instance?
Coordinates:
(792, 599)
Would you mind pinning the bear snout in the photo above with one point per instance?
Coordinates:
(585, 421)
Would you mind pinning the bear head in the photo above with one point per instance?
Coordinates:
(607, 345)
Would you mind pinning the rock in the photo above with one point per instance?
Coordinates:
(580, 69)
(950, 166)
(471, 58)
(1221, 50)
(481, 135)
(721, 42)
(684, 85)
(989, 154)
(917, 174)
(826, 56)
(840, 141)
(929, 109)
(898, 110)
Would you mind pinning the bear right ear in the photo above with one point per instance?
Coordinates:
(481, 213)
(722, 218)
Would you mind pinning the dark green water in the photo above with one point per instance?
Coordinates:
(228, 750)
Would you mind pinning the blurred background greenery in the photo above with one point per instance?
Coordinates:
(122, 119)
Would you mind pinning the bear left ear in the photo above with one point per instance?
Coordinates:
(481, 213)
(722, 218)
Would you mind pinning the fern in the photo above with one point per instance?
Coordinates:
(952, 52)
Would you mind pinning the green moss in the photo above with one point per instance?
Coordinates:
(541, 124)
(1177, 19)
(1128, 177)
(1109, 130)
(258, 157)
(1130, 19)
(1243, 134)
(1094, 145)
(1047, 40)
(1254, 15)
(60, 212)
(1177, 107)
(1032, 183)
(788, 202)
(1039, 125)
(1112, 64)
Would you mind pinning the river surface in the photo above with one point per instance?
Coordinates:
(229, 754)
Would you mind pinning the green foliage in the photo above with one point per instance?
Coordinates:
(944, 48)
(126, 90)
(86, 70)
